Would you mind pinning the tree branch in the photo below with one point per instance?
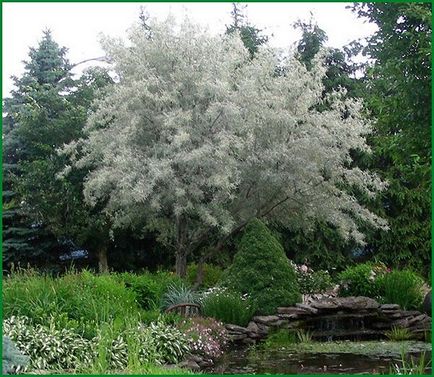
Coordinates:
(99, 59)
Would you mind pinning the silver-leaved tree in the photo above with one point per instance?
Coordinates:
(197, 138)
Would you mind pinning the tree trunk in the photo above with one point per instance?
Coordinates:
(102, 260)
(181, 262)
(181, 250)
(199, 276)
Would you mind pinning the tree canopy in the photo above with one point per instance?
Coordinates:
(202, 141)
(398, 95)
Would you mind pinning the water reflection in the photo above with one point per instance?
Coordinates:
(241, 361)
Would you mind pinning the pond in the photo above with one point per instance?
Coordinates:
(259, 360)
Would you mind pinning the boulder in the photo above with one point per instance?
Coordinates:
(252, 327)
(289, 316)
(346, 303)
(237, 337)
(279, 323)
(307, 308)
(292, 310)
(390, 307)
(189, 364)
(418, 319)
(409, 313)
(236, 329)
(248, 341)
(262, 329)
(266, 319)
(427, 303)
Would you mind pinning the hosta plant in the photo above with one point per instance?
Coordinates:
(169, 342)
(48, 347)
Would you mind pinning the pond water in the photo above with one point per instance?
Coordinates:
(262, 361)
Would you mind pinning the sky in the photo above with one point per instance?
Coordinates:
(77, 26)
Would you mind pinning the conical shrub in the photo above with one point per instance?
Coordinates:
(262, 270)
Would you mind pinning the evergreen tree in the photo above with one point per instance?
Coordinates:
(250, 35)
(24, 239)
(262, 271)
(47, 110)
(340, 72)
(398, 94)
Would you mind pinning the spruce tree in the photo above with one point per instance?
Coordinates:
(47, 110)
(24, 239)
(250, 35)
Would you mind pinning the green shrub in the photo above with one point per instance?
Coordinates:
(403, 288)
(304, 336)
(360, 280)
(77, 301)
(149, 287)
(211, 274)
(262, 270)
(13, 361)
(145, 288)
(311, 281)
(228, 307)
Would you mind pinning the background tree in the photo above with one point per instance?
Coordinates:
(250, 35)
(398, 94)
(23, 236)
(47, 110)
(197, 139)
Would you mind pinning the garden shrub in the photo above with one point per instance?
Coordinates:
(403, 288)
(398, 334)
(228, 307)
(262, 270)
(211, 274)
(207, 337)
(311, 281)
(78, 301)
(149, 287)
(362, 280)
(146, 289)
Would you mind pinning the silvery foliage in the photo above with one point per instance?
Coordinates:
(195, 129)
(13, 361)
(179, 294)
